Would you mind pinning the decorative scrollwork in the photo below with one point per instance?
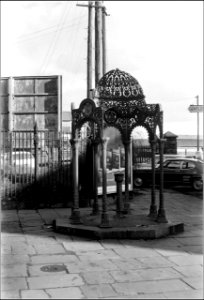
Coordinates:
(121, 104)
(117, 84)
(110, 116)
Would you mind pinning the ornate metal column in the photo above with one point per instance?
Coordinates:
(153, 207)
(119, 180)
(95, 204)
(75, 216)
(161, 217)
(127, 150)
(104, 216)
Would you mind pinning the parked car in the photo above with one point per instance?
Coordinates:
(17, 163)
(177, 171)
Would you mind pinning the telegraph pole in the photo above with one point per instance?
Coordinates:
(104, 14)
(89, 52)
(100, 43)
(98, 40)
(89, 47)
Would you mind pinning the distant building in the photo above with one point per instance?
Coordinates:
(170, 145)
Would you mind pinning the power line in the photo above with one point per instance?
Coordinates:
(74, 43)
(54, 41)
(44, 29)
(29, 38)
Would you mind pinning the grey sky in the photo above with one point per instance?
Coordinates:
(160, 43)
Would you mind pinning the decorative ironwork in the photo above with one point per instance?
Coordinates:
(110, 116)
(117, 84)
(87, 112)
(121, 104)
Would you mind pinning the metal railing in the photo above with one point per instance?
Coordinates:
(34, 165)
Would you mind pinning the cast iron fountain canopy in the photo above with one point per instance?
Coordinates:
(117, 86)
(121, 104)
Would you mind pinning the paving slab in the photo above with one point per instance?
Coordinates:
(54, 249)
(12, 259)
(15, 270)
(40, 270)
(53, 259)
(98, 291)
(186, 260)
(145, 274)
(97, 255)
(194, 294)
(78, 246)
(34, 294)
(10, 294)
(128, 264)
(23, 247)
(195, 282)
(65, 293)
(86, 266)
(191, 271)
(137, 252)
(150, 287)
(155, 262)
(97, 277)
(55, 281)
(13, 284)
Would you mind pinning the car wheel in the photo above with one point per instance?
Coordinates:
(197, 184)
(138, 182)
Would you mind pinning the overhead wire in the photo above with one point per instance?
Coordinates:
(30, 37)
(54, 41)
(75, 57)
(44, 29)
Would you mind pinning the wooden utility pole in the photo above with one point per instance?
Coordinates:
(89, 47)
(98, 41)
(104, 14)
(89, 51)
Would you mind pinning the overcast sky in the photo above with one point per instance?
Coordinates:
(160, 43)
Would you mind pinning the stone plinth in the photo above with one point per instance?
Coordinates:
(131, 226)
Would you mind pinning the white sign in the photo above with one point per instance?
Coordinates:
(195, 108)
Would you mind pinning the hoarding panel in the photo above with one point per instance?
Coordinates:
(46, 104)
(4, 100)
(24, 86)
(48, 85)
(23, 122)
(51, 121)
(39, 97)
(4, 122)
(40, 120)
(24, 104)
(4, 88)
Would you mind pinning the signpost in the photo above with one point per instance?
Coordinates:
(197, 109)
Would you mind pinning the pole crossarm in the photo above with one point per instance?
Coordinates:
(92, 5)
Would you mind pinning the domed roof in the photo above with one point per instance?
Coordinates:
(119, 85)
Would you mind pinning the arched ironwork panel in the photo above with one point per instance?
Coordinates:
(87, 112)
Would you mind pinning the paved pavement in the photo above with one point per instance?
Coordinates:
(39, 263)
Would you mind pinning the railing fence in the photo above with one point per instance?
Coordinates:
(36, 165)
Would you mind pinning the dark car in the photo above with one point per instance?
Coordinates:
(178, 171)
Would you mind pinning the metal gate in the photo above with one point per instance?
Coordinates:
(35, 169)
